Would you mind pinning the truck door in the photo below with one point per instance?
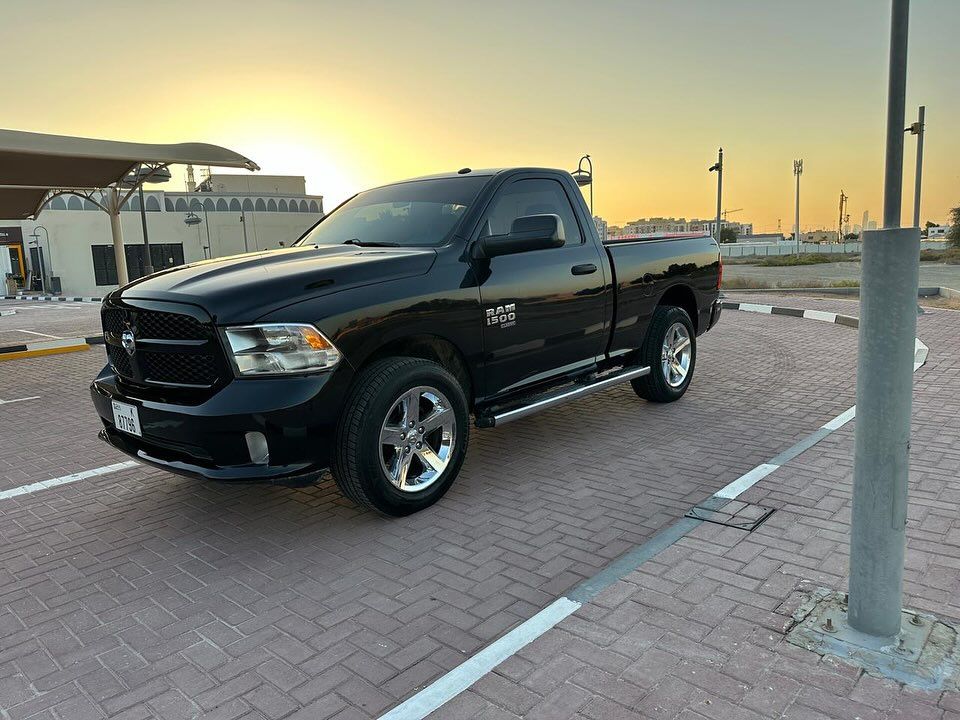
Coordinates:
(542, 310)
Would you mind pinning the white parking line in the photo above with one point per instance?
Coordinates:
(7, 402)
(447, 687)
(32, 332)
(63, 480)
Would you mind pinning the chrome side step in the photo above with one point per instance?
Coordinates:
(501, 417)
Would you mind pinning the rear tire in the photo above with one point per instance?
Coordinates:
(670, 350)
(402, 437)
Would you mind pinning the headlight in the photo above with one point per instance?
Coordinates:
(282, 348)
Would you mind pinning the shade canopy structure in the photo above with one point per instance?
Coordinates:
(35, 165)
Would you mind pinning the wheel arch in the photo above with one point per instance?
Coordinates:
(682, 296)
(429, 347)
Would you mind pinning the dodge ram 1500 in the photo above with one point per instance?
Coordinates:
(365, 347)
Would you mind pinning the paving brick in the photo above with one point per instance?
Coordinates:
(138, 588)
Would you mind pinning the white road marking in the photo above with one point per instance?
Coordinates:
(32, 332)
(466, 674)
(447, 687)
(842, 419)
(745, 481)
(7, 402)
(65, 479)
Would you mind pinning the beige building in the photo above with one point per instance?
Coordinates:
(660, 225)
(819, 236)
(70, 245)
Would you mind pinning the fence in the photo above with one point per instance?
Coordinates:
(788, 248)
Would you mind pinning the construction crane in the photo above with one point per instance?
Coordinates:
(843, 203)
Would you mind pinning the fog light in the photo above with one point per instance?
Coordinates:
(257, 447)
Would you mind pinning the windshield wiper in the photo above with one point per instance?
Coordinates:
(361, 243)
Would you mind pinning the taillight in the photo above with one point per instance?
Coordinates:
(720, 274)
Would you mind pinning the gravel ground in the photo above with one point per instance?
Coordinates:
(930, 273)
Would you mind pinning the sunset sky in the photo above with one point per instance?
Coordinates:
(354, 94)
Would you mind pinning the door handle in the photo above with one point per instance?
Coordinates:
(585, 269)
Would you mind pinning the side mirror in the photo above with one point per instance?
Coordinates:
(531, 232)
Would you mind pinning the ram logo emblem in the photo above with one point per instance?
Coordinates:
(502, 315)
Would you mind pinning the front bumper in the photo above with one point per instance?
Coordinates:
(297, 415)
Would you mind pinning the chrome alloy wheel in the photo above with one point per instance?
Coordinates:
(417, 438)
(676, 355)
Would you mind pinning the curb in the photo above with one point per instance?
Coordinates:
(822, 315)
(50, 298)
(920, 351)
(48, 347)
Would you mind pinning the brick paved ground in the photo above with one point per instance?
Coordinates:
(34, 321)
(142, 594)
(698, 632)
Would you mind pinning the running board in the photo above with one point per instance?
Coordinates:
(496, 417)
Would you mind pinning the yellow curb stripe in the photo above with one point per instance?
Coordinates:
(45, 351)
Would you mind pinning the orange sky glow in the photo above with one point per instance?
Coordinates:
(356, 94)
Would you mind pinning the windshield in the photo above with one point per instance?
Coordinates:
(422, 212)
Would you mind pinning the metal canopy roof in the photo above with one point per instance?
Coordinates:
(35, 164)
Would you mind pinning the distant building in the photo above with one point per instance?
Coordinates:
(601, 225)
(819, 236)
(762, 238)
(660, 225)
(938, 232)
(231, 214)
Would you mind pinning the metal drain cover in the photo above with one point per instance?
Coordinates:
(732, 513)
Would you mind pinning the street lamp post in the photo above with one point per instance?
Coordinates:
(917, 129)
(141, 175)
(192, 219)
(885, 361)
(46, 262)
(206, 222)
(147, 260)
(798, 171)
(243, 222)
(717, 167)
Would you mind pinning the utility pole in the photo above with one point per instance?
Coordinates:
(798, 171)
(718, 168)
(843, 201)
(917, 129)
(888, 320)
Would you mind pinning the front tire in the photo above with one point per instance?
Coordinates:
(402, 437)
(670, 350)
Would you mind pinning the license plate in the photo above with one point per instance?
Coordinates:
(126, 418)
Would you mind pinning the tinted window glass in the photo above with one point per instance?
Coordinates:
(423, 212)
(532, 197)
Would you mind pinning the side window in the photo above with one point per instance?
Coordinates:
(532, 197)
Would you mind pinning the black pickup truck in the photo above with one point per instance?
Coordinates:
(366, 346)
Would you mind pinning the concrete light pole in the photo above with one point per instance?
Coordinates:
(798, 171)
(917, 129)
(888, 319)
(717, 167)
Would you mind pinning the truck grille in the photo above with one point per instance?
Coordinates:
(170, 349)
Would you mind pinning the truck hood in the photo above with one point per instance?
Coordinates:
(243, 288)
